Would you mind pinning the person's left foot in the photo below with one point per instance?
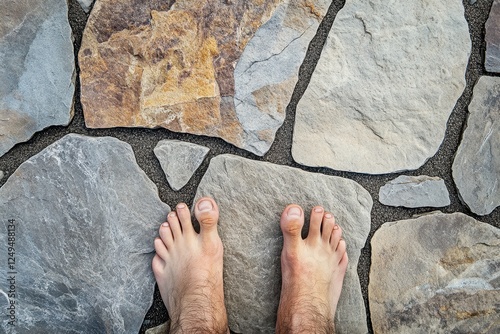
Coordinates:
(188, 269)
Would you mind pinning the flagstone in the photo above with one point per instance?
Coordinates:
(476, 168)
(493, 39)
(179, 160)
(388, 79)
(415, 192)
(85, 220)
(37, 69)
(223, 69)
(437, 273)
(251, 196)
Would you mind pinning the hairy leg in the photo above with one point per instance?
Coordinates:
(313, 270)
(188, 270)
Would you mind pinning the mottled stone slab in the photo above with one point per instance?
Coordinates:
(37, 69)
(179, 160)
(85, 219)
(86, 4)
(476, 168)
(251, 196)
(415, 192)
(492, 62)
(388, 78)
(218, 68)
(435, 274)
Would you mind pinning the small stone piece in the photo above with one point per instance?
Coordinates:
(493, 39)
(1, 175)
(388, 78)
(179, 160)
(37, 69)
(435, 274)
(415, 192)
(85, 217)
(476, 168)
(251, 196)
(161, 329)
(86, 4)
(218, 68)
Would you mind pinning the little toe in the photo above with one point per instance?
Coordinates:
(166, 235)
(327, 226)
(341, 247)
(291, 223)
(315, 222)
(184, 216)
(160, 248)
(206, 212)
(336, 236)
(158, 265)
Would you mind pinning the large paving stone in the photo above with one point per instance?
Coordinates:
(415, 192)
(384, 87)
(492, 62)
(85, 219)
(218, 68)
(476, 168)
(37, 70)
(251, 196)
(435, 274)
(179, 160)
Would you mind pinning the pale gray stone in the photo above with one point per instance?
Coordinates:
(179, 160)
(85, 219)
(251, 196)
(476, 168)
(435, 274)
(37, 69)
(415, 192)
(1, 175)
(388, 78)
(161, 329)
(86, 4)
(492, 63)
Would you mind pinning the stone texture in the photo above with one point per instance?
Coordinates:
(219, 68)
(179, 160)
(415, 192)
(85, 219)
(492, 63)
(384, 87)
(435, 274)
(37, 69)
(251, 196)
(86, 4)
(476, 168)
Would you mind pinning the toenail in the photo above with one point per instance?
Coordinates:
(165, 224)
(205, 205)
(328, 216)
(181, 206)
(172, 214)
(336, 227)
(294, 211)
(318, 210)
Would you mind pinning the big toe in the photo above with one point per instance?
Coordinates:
(206, 212)
(292, 221)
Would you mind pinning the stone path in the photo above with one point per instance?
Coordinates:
(381, 88)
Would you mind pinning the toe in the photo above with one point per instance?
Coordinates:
(174, 225)
(184, 216)
(166, 235)
(315, 223)
(336, 236)
(327, 226)
(158, 265)
(206, 212)
(160, 248)
(343, 262)
(341, 247)
(292, 221)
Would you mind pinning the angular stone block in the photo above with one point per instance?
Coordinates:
(435, 274)
(251, 196)
(85, 220)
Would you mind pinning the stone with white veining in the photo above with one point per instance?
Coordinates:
(251, 196)
(179, 160)
(37, 69)
(388, 78)
(415, 192)
(435, 274)
(85, 219)
(476, 168)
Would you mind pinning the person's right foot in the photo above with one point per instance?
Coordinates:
(312, 269)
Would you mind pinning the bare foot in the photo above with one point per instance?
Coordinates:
(312, 269)
(188, 270)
